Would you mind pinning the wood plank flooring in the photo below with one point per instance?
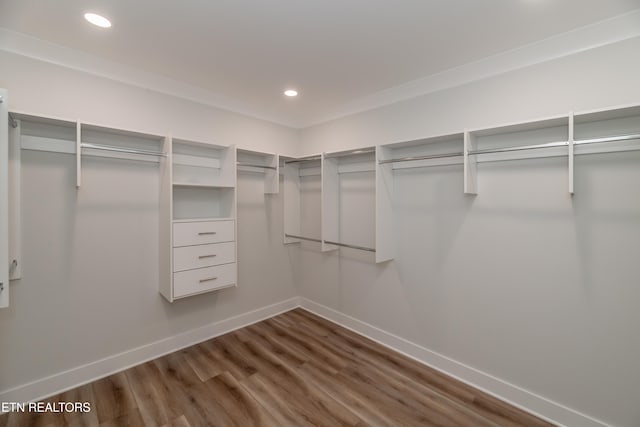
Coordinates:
(295, 369)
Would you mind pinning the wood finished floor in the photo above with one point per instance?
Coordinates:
(295, 369)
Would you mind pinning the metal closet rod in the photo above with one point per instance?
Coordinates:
(608, 139)
(413, 158)
(345, 245)
(520, 148)
(121, 149)
(357, 171)
(308, 159)
(557, 144)
(254, 165)
(310, 239)
(349, 153)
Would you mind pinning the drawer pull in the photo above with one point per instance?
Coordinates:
(205, 233)
(210, 279)
(207, 256)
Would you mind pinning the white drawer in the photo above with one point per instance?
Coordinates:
(200, 280)
(203, 232)
(190, 257)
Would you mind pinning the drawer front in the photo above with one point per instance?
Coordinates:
(202, 232)
(190, 257)
(193, 282)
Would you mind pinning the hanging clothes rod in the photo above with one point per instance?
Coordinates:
(356, 171)
(121, 149)
(608, 139)
(413, 158)
(308, 159)
(520, 148)
(310, 239)
(344, 245)
(352, 153)
(14, 123)
(256, 165)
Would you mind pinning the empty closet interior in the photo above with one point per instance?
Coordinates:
(487, 228)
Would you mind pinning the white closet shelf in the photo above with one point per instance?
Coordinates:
(200, 185)
(179, 141)
(254, 165)
(263, 163)
(118, 149)
(203, 219)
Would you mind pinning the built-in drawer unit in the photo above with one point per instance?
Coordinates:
(206, 279)
(203, 232)
(199, 256)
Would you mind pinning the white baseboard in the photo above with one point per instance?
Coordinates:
(512, 394)
(81, 375)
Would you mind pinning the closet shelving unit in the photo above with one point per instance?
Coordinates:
(198, 181)
(27, 132)
(198, 218)
(440, 150)
(264, 163)
(113, 143)
(302, 182)
(607, 131)
(45, 134)
(337, 231)
(549, 137)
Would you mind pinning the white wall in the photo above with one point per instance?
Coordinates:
(90, 257)
(44, 89)
(594, 79)
(522, 281)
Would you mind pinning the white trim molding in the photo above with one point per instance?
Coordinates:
(84, 374)
(42, 50)
(591, 36)
(512, 394)
(610, 31)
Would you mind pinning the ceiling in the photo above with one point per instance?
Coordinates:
(332, 51)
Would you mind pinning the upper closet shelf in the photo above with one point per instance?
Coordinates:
(253, 165)
(198, 164)
(199, 185)
(116, 143)
(607, 131)
(122, 149)
(520, 140)
(303, 159)
(264, 163)
(432, 151)
(45, 134)
(352, 161)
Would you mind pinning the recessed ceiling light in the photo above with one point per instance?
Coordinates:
(97, 20)
(291, 92)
